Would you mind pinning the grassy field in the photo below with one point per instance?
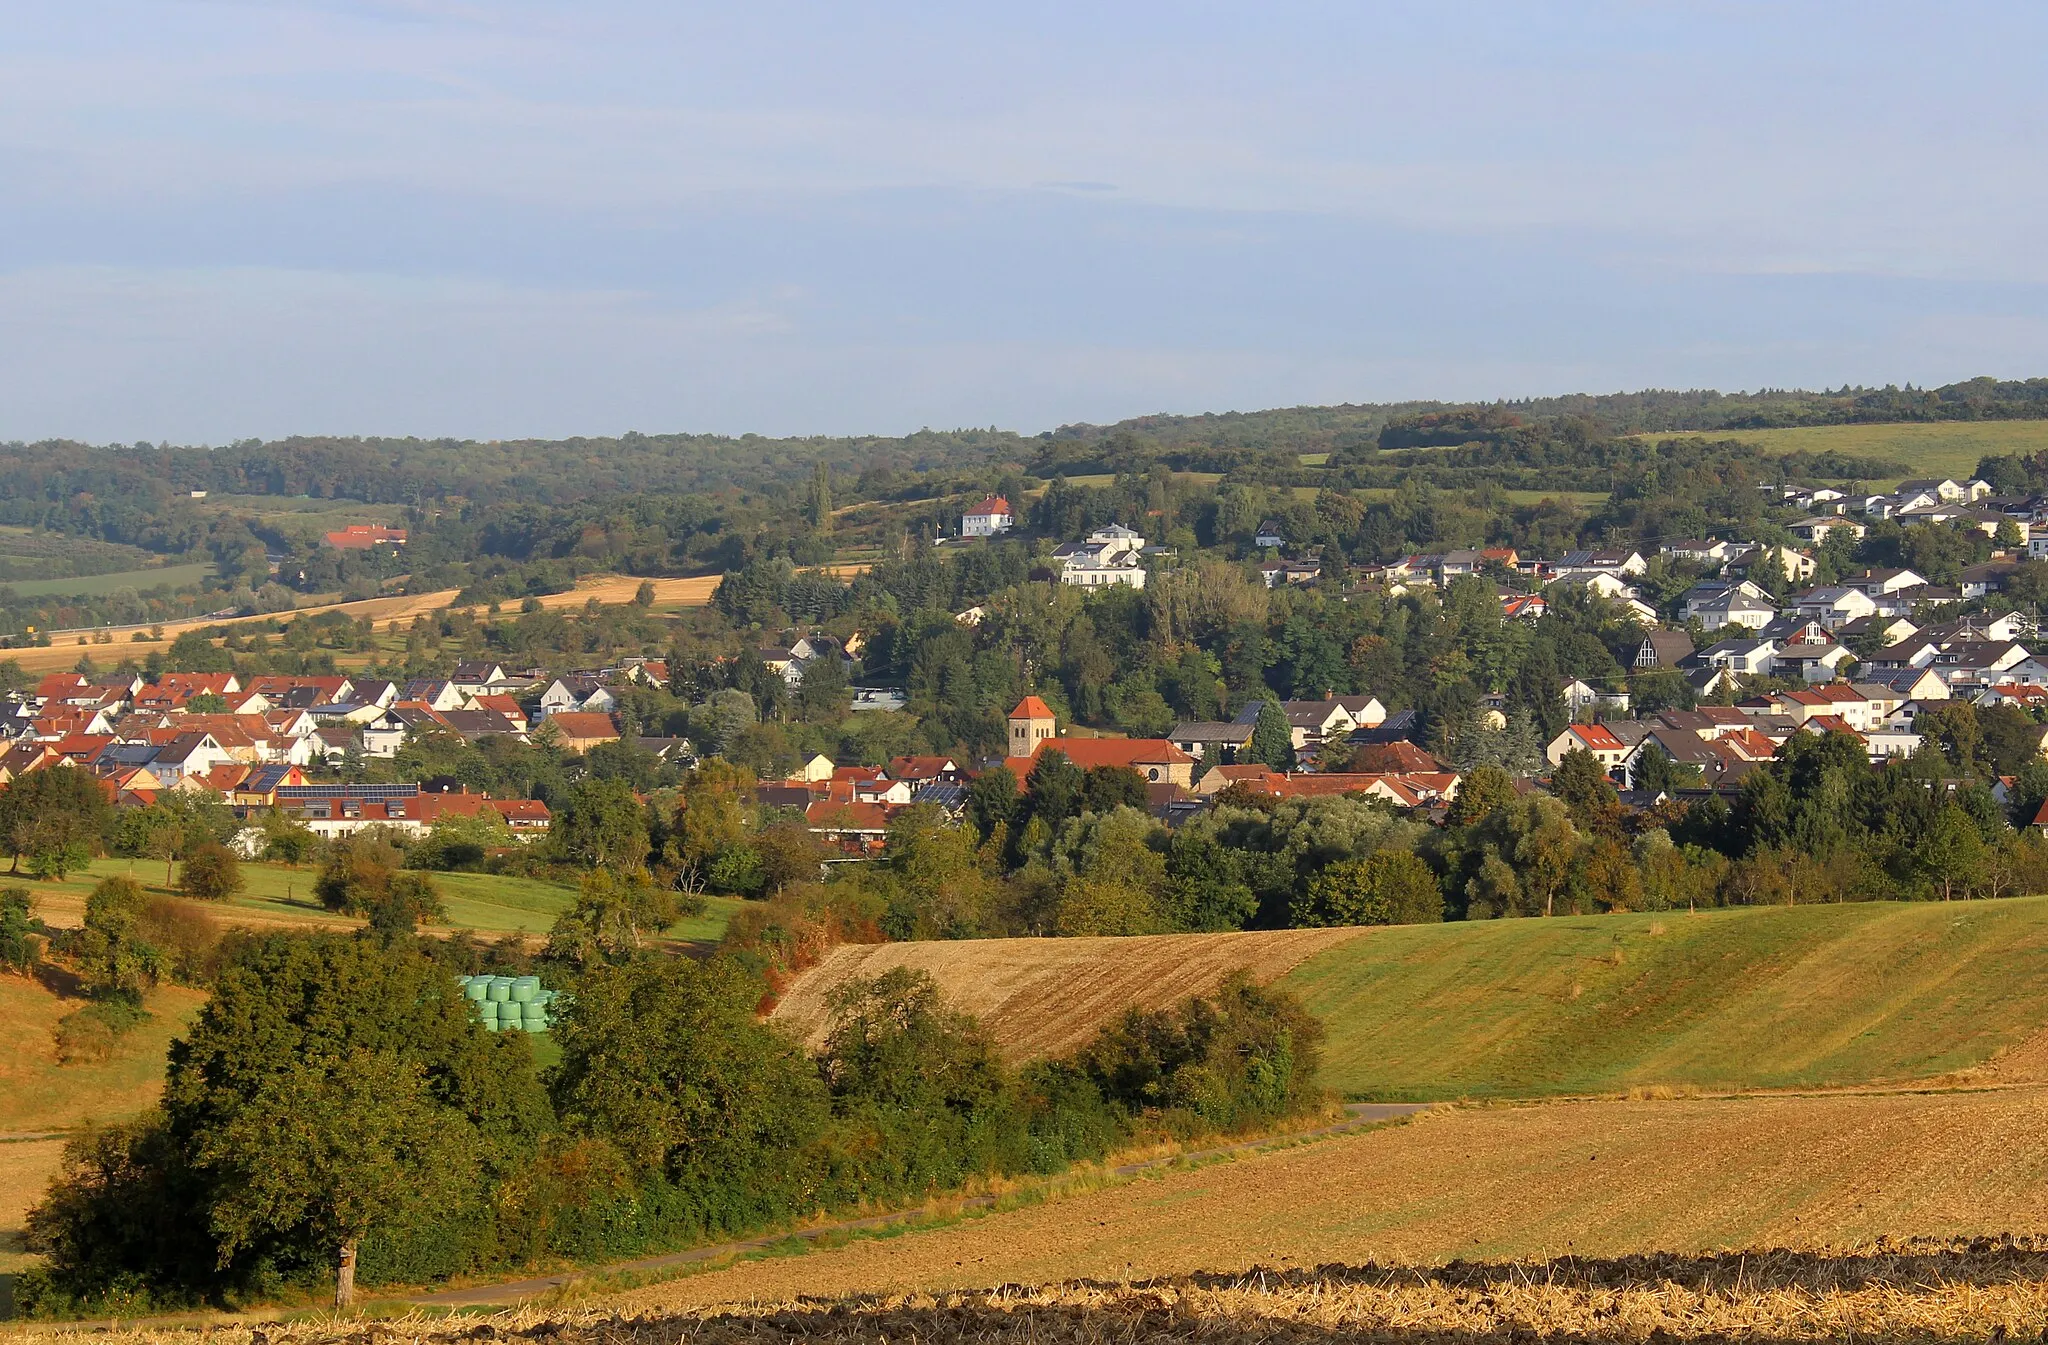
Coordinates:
(177, 576)
(277, 895)
(1942, 448)
(1769, 997)
(1041, 997)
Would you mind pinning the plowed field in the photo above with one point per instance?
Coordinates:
(1044, 997)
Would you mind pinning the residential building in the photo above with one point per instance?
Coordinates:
(1111, 555)
(987, 519)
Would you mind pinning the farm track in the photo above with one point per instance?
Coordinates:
(1045, 997)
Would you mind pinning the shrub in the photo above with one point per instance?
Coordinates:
(211, 872)
(21, 935)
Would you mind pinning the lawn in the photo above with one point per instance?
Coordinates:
(1766, 997)
(1939, 448)
(177, 576)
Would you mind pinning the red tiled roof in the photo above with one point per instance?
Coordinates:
(1031, 708)
(1598, 736)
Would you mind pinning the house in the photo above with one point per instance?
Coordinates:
(366, 537)
(1879, 582)
(1796, 567)
(1526, 606)
(1698, 550)
(1834, 605)
(577, 731)
(1111, 555)
(1271, 533)
(1724, 602)
(1811, 661)
(437, 694)
(990, 517)
(1279, 572)
(1607, 749)
(1935, 488)
(1579, 695)
(1309, 723)
(1663, 649)
(1612, 561)
(857, 828)
(1815, 531)
(1212, 742)
(473, 678)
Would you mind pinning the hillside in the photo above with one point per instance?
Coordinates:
(1747, 998)
(41, 1100)
(1768, 997)
(1043, 997)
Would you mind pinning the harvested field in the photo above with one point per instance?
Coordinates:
(1044, 997)
(1598, 1179)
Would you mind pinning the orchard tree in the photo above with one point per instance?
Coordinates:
(210, 872)
(55, 817)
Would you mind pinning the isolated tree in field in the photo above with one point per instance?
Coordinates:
(54, 818)
(1272, 737)
(643, 596)
(211, 872)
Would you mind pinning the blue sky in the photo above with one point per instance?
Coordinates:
(241, 218)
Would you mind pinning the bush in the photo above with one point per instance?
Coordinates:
(87, 1036)
(211, 872)
(1243, 1058)
(22, 939)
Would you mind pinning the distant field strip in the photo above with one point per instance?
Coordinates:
(98, 585)
(1766, 997)
(1044, 997)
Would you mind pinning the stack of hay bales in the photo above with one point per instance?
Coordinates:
(509, 1003)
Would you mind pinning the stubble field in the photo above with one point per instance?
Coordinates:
(1045, 997)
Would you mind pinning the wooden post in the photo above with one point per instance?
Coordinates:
(345, 1276)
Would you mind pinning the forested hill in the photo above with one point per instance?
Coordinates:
(1217, 441)
(416, 471)
(419, 471)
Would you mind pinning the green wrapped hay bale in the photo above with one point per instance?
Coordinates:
(478, 989)
(501, 989)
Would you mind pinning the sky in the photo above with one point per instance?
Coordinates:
(223, 219)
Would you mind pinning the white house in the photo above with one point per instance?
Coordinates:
(1109, 556)
(988, 518)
